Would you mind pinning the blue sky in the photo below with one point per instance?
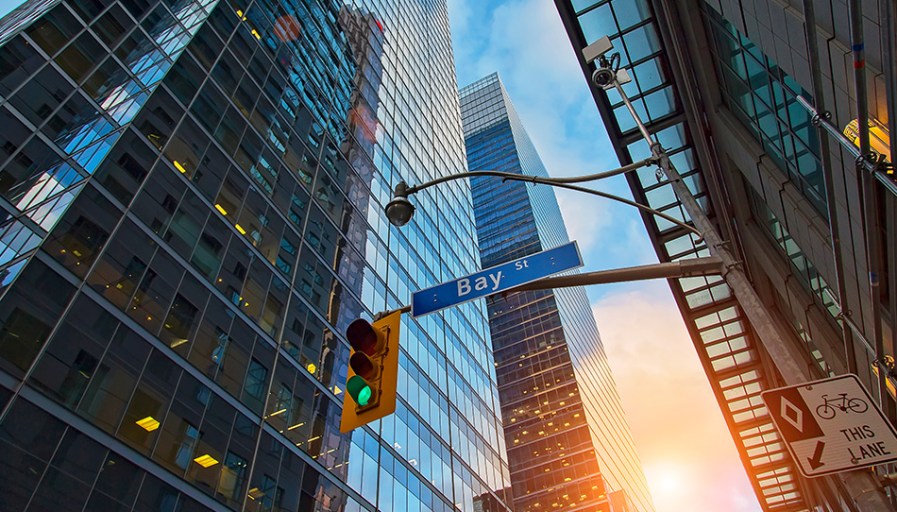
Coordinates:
(524, 41)
(8, 5)
(685, 449)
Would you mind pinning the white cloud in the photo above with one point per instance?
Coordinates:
(524, 41)
(529, 48)
(610, 234)
(459, 13)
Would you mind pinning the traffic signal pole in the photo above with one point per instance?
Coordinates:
(790, 369)
(683, 268)
(861, 484)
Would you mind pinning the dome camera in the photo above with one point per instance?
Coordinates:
(603, 77)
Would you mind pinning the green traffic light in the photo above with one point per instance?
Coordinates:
(364, 396)
(359, 390)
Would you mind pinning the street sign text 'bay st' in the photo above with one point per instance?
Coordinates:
(831, 425)
(496, 279)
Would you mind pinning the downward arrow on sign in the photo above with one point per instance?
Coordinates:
(816, 460)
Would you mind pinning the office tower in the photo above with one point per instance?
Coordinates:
(192, 194)
(568, 442)
(718, 82)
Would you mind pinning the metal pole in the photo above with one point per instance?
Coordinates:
(683, 268)
(710, 265)
(859, 75)
(821, 119)
(870, 201)
(865, 491)
(827, 174)
(403, 190)
(792, 371)
(889, 65)
(861, 485)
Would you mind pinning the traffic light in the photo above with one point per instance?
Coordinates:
(373, 371)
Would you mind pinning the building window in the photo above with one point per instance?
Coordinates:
(764, 99)
(254, 386)
(802, 268)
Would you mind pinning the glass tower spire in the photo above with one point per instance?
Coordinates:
(567, 439)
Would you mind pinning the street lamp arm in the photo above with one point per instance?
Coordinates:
(402, 191)
(630, 203)
(607, 174)
(535, 179)
(469, 174)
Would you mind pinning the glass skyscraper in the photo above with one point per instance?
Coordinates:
(192, 199)
(569, 446)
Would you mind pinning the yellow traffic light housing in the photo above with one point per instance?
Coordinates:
(373, 371)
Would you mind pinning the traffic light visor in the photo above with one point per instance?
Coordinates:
(362, 336)
(362, 365)
(359, 390)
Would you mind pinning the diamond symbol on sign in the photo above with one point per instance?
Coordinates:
(792, 414)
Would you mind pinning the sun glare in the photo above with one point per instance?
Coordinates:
(668, 480)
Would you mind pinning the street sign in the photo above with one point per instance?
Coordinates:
(496, 279)
(831, 425)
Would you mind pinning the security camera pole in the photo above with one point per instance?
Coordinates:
(861, 484)
(792, 372)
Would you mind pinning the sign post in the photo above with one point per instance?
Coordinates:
(496, 279)
(831, 425)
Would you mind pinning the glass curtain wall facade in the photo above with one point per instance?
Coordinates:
(569, 446)
(192, 199)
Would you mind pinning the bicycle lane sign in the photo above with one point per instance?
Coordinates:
(831, 425)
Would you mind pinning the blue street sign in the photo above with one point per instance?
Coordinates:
(496, 279)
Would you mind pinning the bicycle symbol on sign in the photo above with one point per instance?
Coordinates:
(829, 407)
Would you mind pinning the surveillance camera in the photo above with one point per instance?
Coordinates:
(603, 77)
(597, 49)
(607, 78)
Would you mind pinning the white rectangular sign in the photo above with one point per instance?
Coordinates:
(831, 425)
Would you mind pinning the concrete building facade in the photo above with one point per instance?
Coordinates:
(718, 84)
